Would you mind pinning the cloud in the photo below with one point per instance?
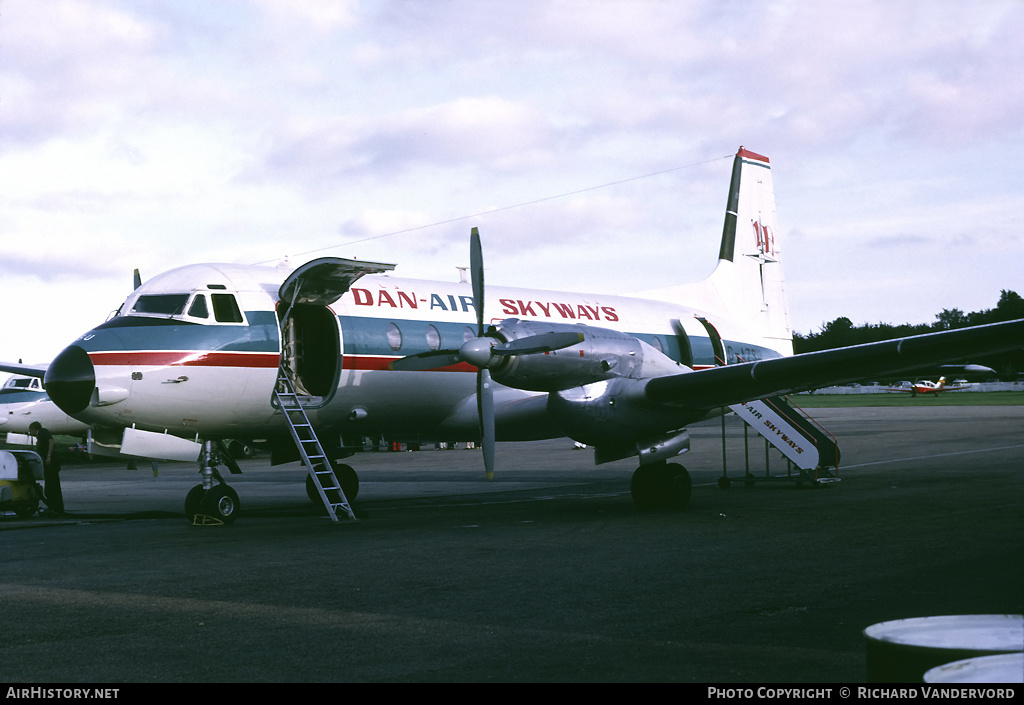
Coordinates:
(322, 17)
(60, 60)
(488, 132)
(160, 133)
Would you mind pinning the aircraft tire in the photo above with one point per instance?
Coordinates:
(192, 500)
(220, 502)
(346, 476)
(349, 480)
(661, 486)
(643, 487)
(680, 487)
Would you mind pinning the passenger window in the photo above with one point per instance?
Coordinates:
(433, 338)
(225, 309)
(198, 308)
(394, 336)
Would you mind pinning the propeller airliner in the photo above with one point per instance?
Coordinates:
(22, 401)
(209, 352)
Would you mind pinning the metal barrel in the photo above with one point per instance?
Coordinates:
(1002, 668)
(902, 650)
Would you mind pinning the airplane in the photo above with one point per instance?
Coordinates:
(925, 386)
(208, 352)
(22, 401)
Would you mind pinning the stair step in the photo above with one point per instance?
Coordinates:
(299, 425)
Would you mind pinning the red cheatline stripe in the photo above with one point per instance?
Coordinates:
(372, 362)
(186, 359)
(181, 358)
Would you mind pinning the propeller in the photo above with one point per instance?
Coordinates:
(484, 351)
(484, 386)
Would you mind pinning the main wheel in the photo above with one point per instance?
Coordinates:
(661, 486)
(220, 502)
(347, 478)
(679, 486)
(349, 481)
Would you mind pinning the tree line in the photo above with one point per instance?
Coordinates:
(841, 333)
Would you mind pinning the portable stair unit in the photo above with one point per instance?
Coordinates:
(802, 440)
(310, 449)
(315, 285)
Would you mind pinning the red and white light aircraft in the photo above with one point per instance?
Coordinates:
(925, 386)
(192, 357)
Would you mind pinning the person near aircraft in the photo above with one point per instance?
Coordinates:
(47, 449)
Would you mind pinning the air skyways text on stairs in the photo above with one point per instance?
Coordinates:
(797, 436)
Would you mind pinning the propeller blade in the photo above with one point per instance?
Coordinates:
(137, 279)
(543, 342)
(426, 361)
(476, 267)
(485, 402)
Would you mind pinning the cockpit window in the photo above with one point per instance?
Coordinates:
(172, 307)
(23, 383)
(198, 308)
(163, 304)
(225, 309)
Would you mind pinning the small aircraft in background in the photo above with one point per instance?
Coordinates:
(925, 386)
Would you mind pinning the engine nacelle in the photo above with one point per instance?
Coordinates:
(605, 415)
(602, 355)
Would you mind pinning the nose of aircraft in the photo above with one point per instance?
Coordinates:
(70, 379)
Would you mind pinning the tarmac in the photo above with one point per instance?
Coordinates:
(546, 574)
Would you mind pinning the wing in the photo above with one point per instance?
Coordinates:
(27, 370)
(723, 386)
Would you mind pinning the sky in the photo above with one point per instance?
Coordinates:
(591, 142)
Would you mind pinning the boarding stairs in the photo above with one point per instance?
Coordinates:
(800, 438)
(310, 449)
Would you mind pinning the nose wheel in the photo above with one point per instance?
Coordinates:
(214, 506)
(208, 503)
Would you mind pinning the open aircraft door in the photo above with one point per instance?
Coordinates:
(716, 342)
(311, 342)
(683, 341)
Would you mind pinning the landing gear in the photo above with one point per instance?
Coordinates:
(348, 479)
(661, 486)
(217, 505)
(208, 503)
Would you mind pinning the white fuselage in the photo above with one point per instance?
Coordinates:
(197, 375)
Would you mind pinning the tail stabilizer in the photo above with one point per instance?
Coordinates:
(747, 287)
(749, 278)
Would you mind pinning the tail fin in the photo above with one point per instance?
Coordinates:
(747, 287)
(749, 280)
